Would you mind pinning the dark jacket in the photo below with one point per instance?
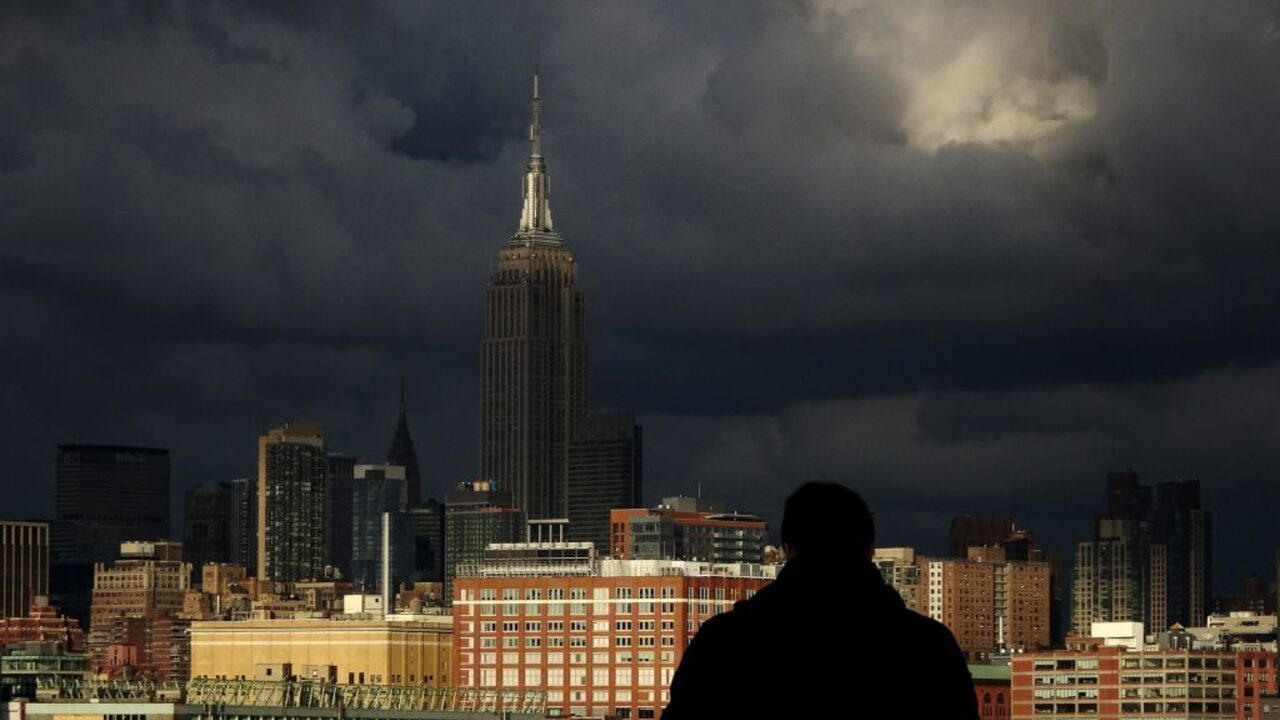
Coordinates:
(823, 641)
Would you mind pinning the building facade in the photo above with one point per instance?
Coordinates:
(598, 645)
(207, 533)
(664, 533)
(533, 372)
(244, 524)
(409, 650)
(428, 540)
(475, 515)
(24, 565)
(606, 471)
(379, 499)
(988, 603)
(134, 625)
(292, 474)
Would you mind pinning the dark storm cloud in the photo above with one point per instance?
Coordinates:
(944, 250)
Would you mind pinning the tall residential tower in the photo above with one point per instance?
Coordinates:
(533, 377)
(292, 473)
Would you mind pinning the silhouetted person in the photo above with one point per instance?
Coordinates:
(827, 639)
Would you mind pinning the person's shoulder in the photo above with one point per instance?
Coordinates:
(924, 629)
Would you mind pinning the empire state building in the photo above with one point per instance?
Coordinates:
(533, 377)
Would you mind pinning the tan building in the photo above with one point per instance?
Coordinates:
(133, 619)
(897, 565)
(401, 650)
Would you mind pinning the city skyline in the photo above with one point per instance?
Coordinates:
(953, 310)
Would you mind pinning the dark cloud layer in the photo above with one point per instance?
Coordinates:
(966, 256)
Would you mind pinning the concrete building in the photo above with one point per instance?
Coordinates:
(606, 471)
(24, 565)
(476, 514)
(603, 644)
(397, 650)
(292, 471)
(533, 370)
(134, 624)
(665, 533)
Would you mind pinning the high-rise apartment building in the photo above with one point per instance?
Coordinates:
(244, 524)
(1150, 558)
(475, 515)
(292, 470)
(988, 602)
(533, 373)
(899, 569)
(605, 472)
(402, 453)
(669, 534)
(24, 565)
(600, 645)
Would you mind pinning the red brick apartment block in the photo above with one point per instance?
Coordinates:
(605, 644)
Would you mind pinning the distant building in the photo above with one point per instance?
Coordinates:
(605, 472)
(207, 517)
(667, 533)
(292, 470)
(533, 356)
(25, 666)
(989, 604)
(24, 565)
(476, 514)
(414, 650)
(633, 620)
(244, 524)
(402, 453)
(900, 571)
(133, 623)
(42, 624)
(103, 496)
(1149, 560)
(978, 530)
(338, 511)
(379, 498)
(428, 540)
(992, 683)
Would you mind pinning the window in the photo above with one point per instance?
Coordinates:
(622, 676)
(533, 601)
(578, 595)
(533, 641)
(622, 641)
(533, 677)
(533, 627)
(510, 677)
(488, 677)
(488, 627)
(577, 677)
(554, 598)
(645, 675)
(625, 625)
(555, 676)
(511, 626)
(489, 595)
(600, 676)
(511, 595)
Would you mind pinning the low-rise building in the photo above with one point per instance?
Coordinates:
(399, 650)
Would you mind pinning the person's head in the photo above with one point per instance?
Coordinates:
(823, 519)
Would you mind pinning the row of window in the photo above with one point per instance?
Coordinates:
(574, 677)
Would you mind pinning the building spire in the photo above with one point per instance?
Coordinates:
(535, 218)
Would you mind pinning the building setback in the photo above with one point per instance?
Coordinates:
(533, 369)
(292, 473)
(668, 533)
(24, 565)
(598, 645)
(605, 472)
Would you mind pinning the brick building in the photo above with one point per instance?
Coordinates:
(669, 532)
(42, 624)
(988, 602)
(601, 644)
(134, 624)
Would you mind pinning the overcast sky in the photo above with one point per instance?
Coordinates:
(964, 257)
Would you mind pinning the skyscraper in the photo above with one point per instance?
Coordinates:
(292, 470)
(475, 515)
(103, 495)
(338, 511)
(402, 453)
(207, 525)
(533, 376)
(605, 472)
(244, 524)
(379, 496)
(24, 565)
